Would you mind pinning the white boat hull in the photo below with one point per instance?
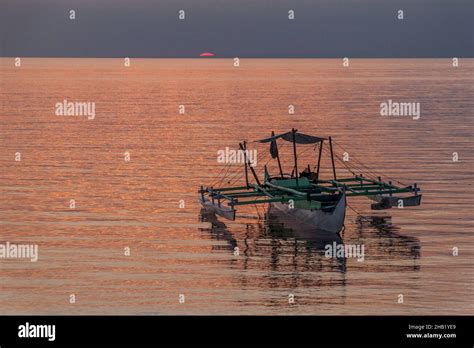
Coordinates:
(326, 221)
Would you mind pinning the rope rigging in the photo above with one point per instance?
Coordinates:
(374, 173)
(354, 166)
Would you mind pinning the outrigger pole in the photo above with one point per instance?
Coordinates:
(293, 131)
(332, 159)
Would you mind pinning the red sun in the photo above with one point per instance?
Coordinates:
(206, 54)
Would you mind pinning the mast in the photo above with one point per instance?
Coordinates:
(244, 149)
(245, 165)
(278, 156)
(319, 158)
(293, 131)
(332, 159)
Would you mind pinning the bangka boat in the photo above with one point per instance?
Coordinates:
(304, 196)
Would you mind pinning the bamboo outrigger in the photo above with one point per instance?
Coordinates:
(304, 195)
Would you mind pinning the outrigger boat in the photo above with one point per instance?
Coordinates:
(304, 196)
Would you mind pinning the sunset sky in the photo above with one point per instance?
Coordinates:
(151, 28)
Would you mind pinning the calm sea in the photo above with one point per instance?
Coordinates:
(138, 204)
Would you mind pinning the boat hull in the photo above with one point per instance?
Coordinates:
(332, 221)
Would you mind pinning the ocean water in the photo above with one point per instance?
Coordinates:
(150, 203)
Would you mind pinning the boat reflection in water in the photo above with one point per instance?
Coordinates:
(377, 233)
(385, 242)
(280, 254)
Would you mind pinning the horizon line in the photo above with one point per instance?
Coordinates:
(232, 57)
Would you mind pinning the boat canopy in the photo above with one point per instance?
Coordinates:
(300, 138)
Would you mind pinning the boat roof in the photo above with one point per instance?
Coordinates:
(300, 138)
